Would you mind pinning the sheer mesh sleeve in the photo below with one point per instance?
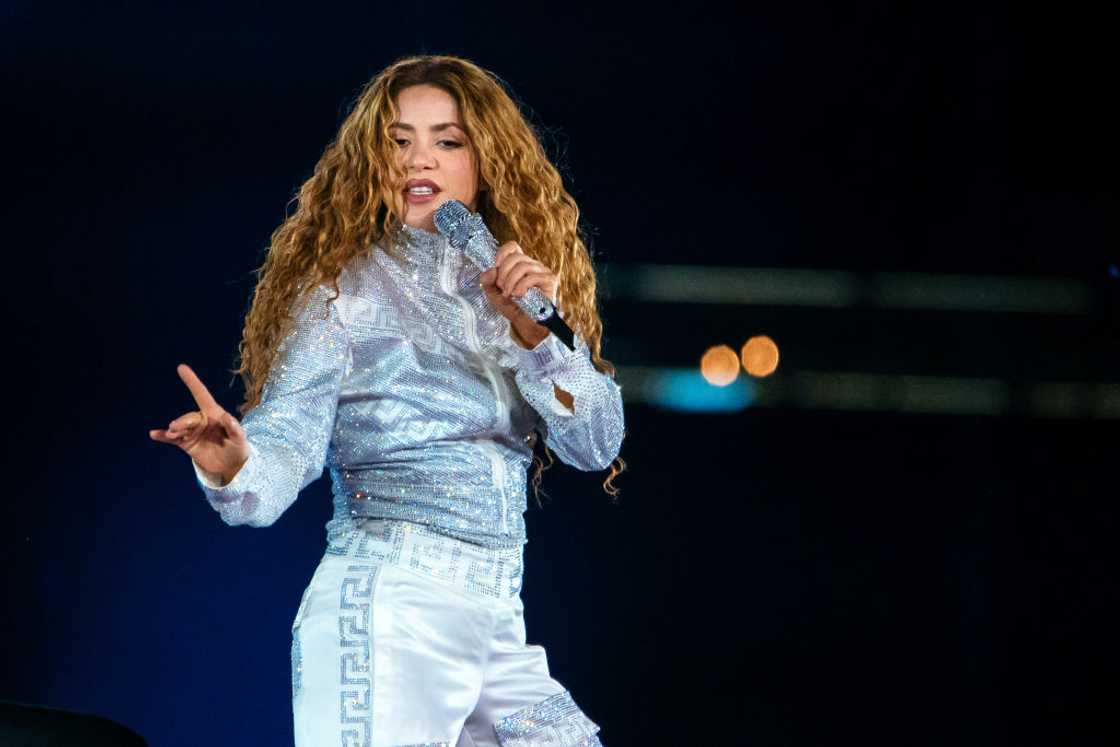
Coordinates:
(289, 431)
(589, 438)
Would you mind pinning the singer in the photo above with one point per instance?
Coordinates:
(377, 349)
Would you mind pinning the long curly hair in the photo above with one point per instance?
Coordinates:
(352, 202)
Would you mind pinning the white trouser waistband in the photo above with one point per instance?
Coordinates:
(492, 572)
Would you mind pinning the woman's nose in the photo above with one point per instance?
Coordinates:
(419, 157)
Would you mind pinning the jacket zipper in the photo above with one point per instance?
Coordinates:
(497, 383)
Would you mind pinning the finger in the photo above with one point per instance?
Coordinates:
(518, 272)
(505, 252)
(508, 271)
(198, 390)
(510, 247)
(233, 426)
(188, 421)
(540, 280)
(164, 437)
(488, 279)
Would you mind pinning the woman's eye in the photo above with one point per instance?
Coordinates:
(449, 144)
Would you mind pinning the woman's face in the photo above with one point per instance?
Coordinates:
(435, 151)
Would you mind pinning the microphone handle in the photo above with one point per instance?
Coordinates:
(536, 305)
(481, 249)
(557, 326)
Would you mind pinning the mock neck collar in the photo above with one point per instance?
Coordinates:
(421, 244)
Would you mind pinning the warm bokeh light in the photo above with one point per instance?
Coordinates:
(760, 356)
(719, 365)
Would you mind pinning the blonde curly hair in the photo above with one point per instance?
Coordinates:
(351, 202)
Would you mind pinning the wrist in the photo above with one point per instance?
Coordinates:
(528, 335)
(217, 478)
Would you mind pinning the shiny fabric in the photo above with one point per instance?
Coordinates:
(410, 388)
(406, 636)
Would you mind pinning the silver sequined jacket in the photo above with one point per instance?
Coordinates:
(410, 388)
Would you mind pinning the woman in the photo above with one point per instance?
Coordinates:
(375, 348)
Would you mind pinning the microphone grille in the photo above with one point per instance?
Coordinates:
(449, 216)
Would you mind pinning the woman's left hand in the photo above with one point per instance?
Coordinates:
(512, 275)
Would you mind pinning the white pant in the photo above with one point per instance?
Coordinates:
(406, 637)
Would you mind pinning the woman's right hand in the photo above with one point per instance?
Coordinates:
(212, 437)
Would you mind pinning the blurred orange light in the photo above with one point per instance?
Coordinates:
(719, 365)
(760, 356)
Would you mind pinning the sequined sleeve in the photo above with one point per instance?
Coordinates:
(289, 431)
(589, 438)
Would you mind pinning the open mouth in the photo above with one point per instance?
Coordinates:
(420, 195)
(420, 191)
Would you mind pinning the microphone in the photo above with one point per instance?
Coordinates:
(467, 232)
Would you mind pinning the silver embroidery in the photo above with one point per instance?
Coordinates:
(556, 721)
(495, 572)
(356, 664)
(297, 666)
(297, 654)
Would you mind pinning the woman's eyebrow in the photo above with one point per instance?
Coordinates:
(433, 128)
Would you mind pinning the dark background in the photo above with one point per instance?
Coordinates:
(775, 576)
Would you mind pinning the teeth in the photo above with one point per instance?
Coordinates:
(420, 190)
